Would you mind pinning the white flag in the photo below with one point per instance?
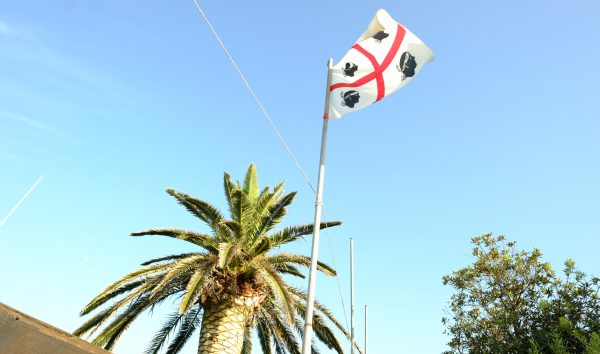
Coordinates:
(384, 59)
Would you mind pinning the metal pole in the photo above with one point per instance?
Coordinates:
(366, 326)
(307, 340)
(351, 296)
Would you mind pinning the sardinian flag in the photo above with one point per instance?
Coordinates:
(384, 59)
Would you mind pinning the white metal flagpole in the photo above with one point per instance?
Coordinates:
(366, 327)
(351, 296)
(308, 327)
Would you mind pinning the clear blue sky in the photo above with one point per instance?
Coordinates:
(115, 101)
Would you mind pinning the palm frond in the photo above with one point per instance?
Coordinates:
(278, 288)
(226, 253)
(292, 233)
(263, 199)
(229, 187)
(205, 241)
(92, 323)
(278, 189)
(98, 301)
(301, 310)
(230, 229)
(261, 209)
(180, 269)
(109, 336)
(262, 247)
(247, 213)
(281, 330)
(190, 323)
(288, 269)
(251, 183)
(247, 347)
(321, 331)
(300, 329)
(203, 210)
(162, 335)
(117, 287)
(275, 214)
(117, 306)
(192, 290)
(285, 258)
(121, 321)
(325, 335)
(238, 202)
(167, 258)
(263, 331)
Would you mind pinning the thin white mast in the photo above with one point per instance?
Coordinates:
(351, 296)
(308, 326)
(366, 326)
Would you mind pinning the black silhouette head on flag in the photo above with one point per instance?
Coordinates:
(350, 69)
(407, 65)
(381, 35)
(350, 98)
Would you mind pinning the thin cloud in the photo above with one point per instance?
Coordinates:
(9, 156)
(30, 47)
(5, 29)
(40, 99)
(72, 71)
(30, 122)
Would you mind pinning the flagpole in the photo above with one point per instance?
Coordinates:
(366, 328)
(351, 296)
(308, 326)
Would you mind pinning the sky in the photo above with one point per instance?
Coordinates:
(116, 101)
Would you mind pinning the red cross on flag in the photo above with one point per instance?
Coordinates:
(385, 58)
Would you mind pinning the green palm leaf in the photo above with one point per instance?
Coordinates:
(231, 230)
(167, 258)
(293, 233)
(206, 212)
(286, 258)
(230, 197)
(89, 325)
(180, 269)
(275, 214)
(284, 268)
(109, 335)
(278, 288)
(247, 347)
(263, 332)
(162, 335)
(226, 253)
(120, 286)
(284, 334)
(193, 290)
(100, 300)
(205, 241)
(251, 184)
(190, 323)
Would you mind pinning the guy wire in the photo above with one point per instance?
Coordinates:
(287, 148)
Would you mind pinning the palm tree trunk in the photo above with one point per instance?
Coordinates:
(224, 324)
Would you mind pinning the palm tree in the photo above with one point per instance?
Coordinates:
(233, 285)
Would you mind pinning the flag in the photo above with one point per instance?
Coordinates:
(385, 58)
